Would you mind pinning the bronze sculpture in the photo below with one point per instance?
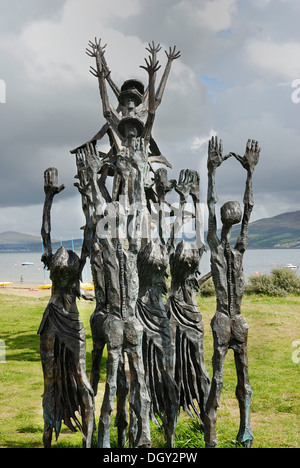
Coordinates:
(157, 351)
(62, 339)
(230, 330)
(114, 266)
(121, 329)
(153, 261)
(185, 318)
(163, 341)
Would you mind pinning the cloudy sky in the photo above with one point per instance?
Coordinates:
(239, 59)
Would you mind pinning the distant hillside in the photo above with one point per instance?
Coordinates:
(11, 237)
(11, 241)
(282, 231)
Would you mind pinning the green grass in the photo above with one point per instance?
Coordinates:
(274, 326)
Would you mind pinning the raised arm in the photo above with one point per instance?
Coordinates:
(172, 55)
(85, 190)
(97, 51)
(249, 162)
(51, 189)
(199, 227)
(163, 186)
(185, 186)
(111, 83)
(93, 165)
(151, 67)
(215, 159)
(153, 50)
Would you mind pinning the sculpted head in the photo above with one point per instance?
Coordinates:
(231, 213)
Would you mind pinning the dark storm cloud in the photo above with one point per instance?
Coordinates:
(233, 78)
(15, 14)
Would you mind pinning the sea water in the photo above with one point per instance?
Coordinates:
(11, 268)
(255, 261)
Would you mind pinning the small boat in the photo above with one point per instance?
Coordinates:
(45, 286)
(292, 267)
(88, 286)
(5, 283)
(27, 263)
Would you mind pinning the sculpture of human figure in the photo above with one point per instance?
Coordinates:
(153, 262)
(133, 99)
(92, 249)
(132, 157)
(186, 323)
(230, 331)
(116, 121)
(67, 390)
(122, 330)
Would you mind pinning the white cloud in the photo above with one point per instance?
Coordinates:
(53, 52)
(213, 15)
(265, 3)
(217, 14)
(280, 60)
(53, 102)
(199, 142)
(260, 3)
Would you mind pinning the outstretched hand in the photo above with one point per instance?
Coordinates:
(162, 184)
(93, 161)
(251, 157)
(82, 175)
(215, 154)
(51, 186)
(188, 184)
(172, 55)
(152, 49)
(96, 48)
(151, 67)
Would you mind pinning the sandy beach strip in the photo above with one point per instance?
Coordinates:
(27, 290)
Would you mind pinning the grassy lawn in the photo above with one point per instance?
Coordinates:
(274, 326)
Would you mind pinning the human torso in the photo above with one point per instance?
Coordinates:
(228, 277)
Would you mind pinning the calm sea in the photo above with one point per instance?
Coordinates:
(261, 261)
(11, 268)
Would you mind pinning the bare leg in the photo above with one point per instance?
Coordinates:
(122, 393)
(221, 327)
(109, 397)
(113, 330)
(139, 404)
(88, 418)
(244, 395)
(96, 365)
(213, 401)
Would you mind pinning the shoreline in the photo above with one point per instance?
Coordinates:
(25, 289)
(32, 290)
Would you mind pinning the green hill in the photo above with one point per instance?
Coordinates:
(12, 237)
(12, 241)
(282, 231)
